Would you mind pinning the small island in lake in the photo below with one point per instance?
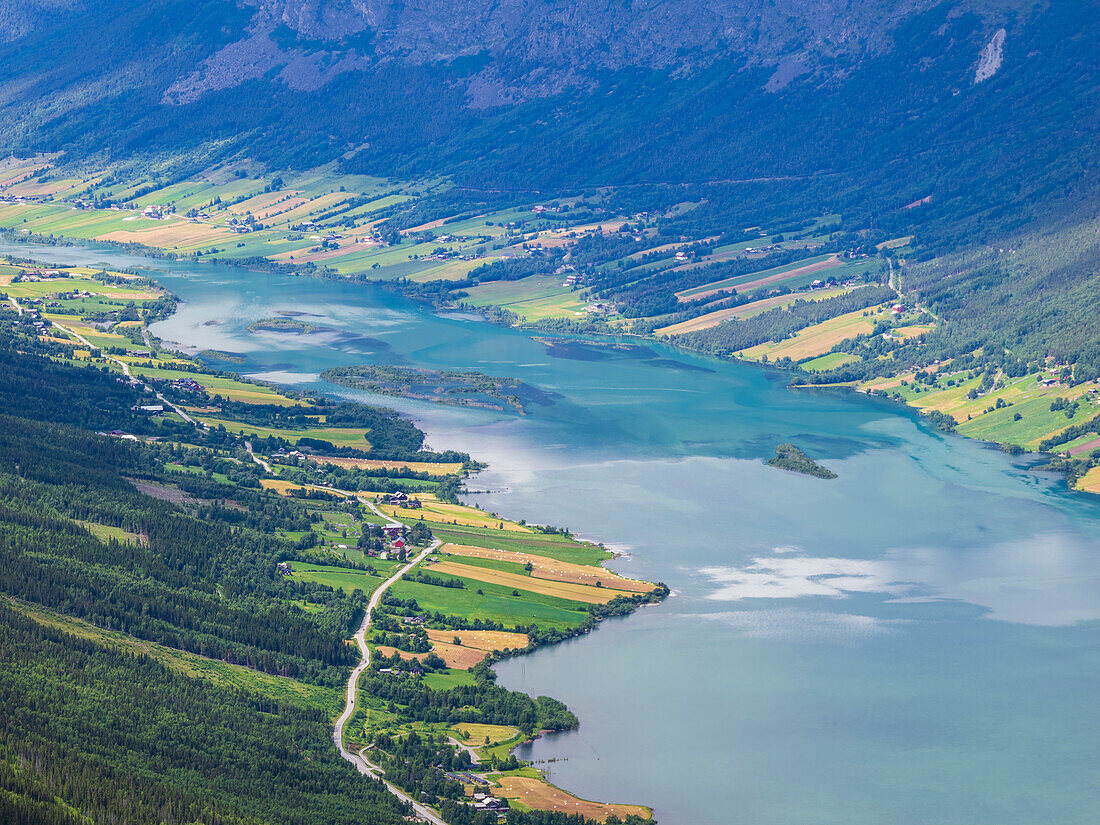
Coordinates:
(789, 457)
(222, 355)
(466, 389)
(281, 325)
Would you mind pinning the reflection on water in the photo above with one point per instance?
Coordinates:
(1044, 579)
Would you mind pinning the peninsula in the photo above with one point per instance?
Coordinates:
(353, 529)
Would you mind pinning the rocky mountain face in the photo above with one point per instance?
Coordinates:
(18, 17)
(855, 102)
(525, 49)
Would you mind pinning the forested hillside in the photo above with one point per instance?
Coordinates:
(98, 732)
(175, 610)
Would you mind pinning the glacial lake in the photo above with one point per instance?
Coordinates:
(915, 642)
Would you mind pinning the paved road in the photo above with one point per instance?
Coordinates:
(257, 459)
(475, 760)
(358, 759)
(123, 364)
(390, 521)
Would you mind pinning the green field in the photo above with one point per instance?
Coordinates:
(448, 678)
(1023, 396)
(830, 361)
(342, 577)
(535, 297)
(687, 294)
(229, 388)
(495, 603)
(341, 437)
(1036, 423)
(542, 544)
(104, 532)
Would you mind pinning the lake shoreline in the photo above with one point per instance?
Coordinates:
(1049, 458)
(1046, 457)
(656, 594)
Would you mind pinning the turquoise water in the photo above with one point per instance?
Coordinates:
(914, 642)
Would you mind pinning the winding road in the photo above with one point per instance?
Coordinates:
(125, 367)
(359, 760)
(266, 467)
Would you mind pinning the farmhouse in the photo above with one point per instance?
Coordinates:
(485, 802)
(189, 384)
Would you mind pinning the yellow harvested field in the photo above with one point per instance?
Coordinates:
(476, 645)
(481, 639)
(713, 319)
(759, 282)
(89, 270)
(460, 658)
(278, 485)
(452, 514)
(890, 382)
(815, 340)
(552, 569)
(438, 222)
(167, 234)
(911, 331)
(376, 464)
(387, 651)
(1090, 481)
(477, 732)
(562, 590)
(537, 794)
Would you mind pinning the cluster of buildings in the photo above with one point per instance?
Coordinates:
(599, 308)
(187, 384)
(400, 499)
(242, 227)
(38, 275)
(395, 543)
(156, 212)
(71, 295)
(488, 802)
(282, 453)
